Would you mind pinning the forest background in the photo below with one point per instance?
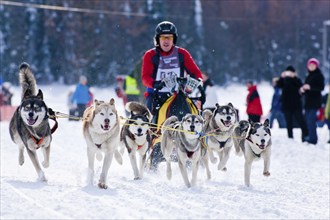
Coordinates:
(233, 40)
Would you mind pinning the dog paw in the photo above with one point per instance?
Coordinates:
(45, 164)
(21, 161)
(102, 186)
(224, 169)
(42, 177)
(267, 173)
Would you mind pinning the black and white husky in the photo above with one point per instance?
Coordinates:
(184, 137)
(135, 136)
(219, 126)
(29, 127)
(254, 141)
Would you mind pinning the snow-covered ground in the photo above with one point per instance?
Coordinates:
(298, 187)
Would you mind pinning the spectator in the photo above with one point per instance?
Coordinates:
(120, 88)
(312, 88)
(131, 88)
(292, 101)
(82, 97)
(254, 108)
(211, 97)
(128, 90)
(6, 93)
(327, 112)
(276, 111)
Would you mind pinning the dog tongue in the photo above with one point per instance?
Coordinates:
(31, 121)
(226, 123)
(262, 146)
(105, 127)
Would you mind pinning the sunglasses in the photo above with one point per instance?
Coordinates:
(166, 37)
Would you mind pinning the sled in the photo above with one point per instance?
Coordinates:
(178, 104)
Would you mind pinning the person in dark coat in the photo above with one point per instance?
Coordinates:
(312, 88)
(292, 101)
(254, 108)
(276, 111)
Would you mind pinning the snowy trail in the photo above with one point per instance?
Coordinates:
(298, 187)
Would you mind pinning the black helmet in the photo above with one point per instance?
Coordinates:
(165, 27)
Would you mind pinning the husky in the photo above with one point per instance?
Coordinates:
(29, 126)
(101, 131)
(255, 143)
(219, 126)
(135, 136)
(184, 137)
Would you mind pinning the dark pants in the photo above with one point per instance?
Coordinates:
(254, 118)
(81, 108)
(279, 116)
(289, 116)
(154, 101)
(311, 118)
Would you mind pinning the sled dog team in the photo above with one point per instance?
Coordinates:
(195, 138)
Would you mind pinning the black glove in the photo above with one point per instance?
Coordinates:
(202, 98)
(158, 85)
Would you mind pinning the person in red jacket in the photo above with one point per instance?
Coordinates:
(254, 108)
(165, 60)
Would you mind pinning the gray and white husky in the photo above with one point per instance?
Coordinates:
(219, 126)
(101, 131)
(29, 127)
(184, 136)
(254, 141)
(135, 136)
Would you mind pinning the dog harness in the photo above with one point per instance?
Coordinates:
(39, 141)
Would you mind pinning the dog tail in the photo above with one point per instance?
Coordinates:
(27, 80)
(138, 109)
(207, 114)
(168, 123)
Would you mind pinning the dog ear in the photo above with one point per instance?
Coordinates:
(112, 101)
(231, 105)
(244, 125)
(217, 105)
(40, 95)
(207, 114)
(266, 122)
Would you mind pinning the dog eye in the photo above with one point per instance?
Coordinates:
(102, 113)
(111, 114)
(188, 121)
(37, 109)
(26, 108)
